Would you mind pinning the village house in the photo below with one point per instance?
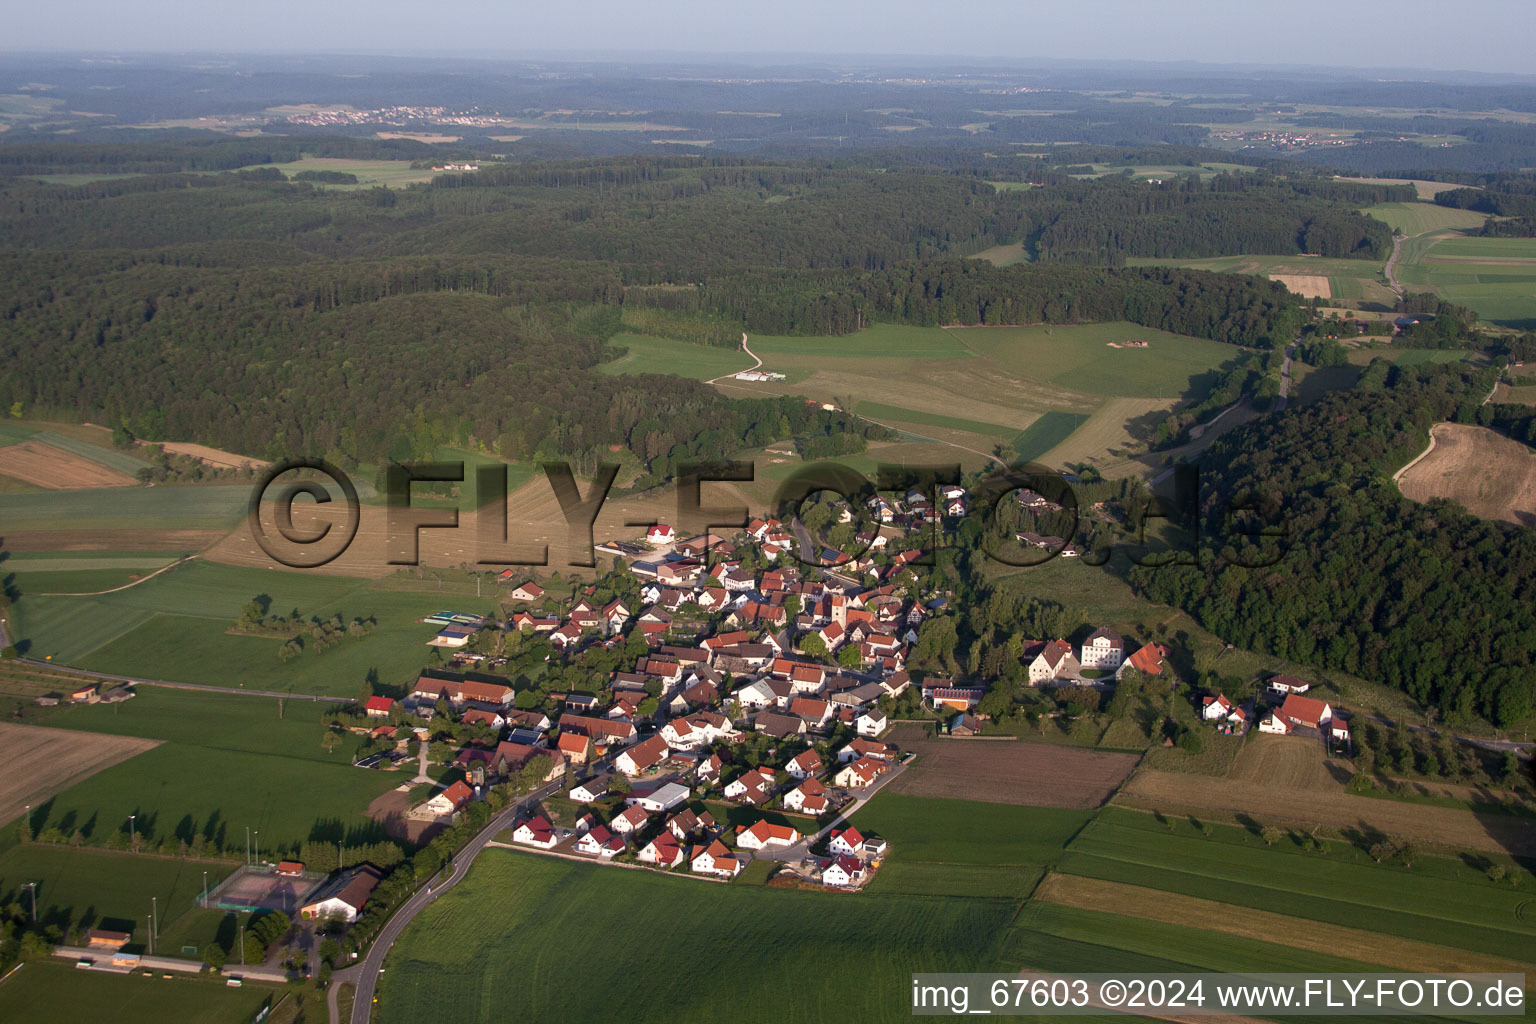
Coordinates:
(842, 872)
(715, 859)
(663, 851)
(846, 842)
(529, 591)
(810, 797)
(536, 832)
(1217, 707)
(779, 726)
(804, 765)
(450, 799)
(860, 773)
(631, 819)
(764, 834)
(642, 757)
(592, 790)
(752, 787)
(1055, 661)
(1305, 711)
(859, 747)
(1148, 660)
(663, 798)
(686, 823)
(1104, 649)
(601, 843)
(870, 723)
(378, 707)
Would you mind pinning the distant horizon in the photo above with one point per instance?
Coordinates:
(1397, 38)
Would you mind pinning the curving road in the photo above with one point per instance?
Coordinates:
(365, 974)
(758, 361)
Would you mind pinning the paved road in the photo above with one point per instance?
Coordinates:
(802, 849)
(365, 973)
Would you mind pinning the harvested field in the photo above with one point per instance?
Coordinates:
(42, 762)
(1491, 475)
(1445, 826)
(1287, 762)
(212, 456)
(46, 466)
(1306, 287)
(1245, 922)
(29, 541)
(1009, 772)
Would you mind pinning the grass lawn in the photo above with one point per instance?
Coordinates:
(1494, 276)
(99, 889)
(769, 954)
(227, 762)
(962, 848)
(71, 994)
(680, 358)
(1439, 900)
(173, 627)
(911, 417)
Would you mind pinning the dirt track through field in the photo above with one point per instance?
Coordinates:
(212, 456)
(1493, 476)
(1265, 926)
(42, 762)
(1446, 826)
(1009, 771)
(43, 465)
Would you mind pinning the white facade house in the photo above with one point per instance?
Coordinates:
(1104, 649)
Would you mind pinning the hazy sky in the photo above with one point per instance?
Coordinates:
(1402, 35)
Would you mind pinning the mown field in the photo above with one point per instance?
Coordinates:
(572, 940)
(227, 762)
(71, 994)
(1356, 280)
(174, 627)
(98, 889)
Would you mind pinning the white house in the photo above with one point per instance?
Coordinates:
(631, 819)
(660, 534)
(343, 897)
(601, 843)
(870, 723)
(715, 859)
(859, 774)
(1216, 708)
(765, 834)
(1273, 723)
(804, 765)
(663, 851)
(1104, 649)
(642, 756)
(594, 788)
(846, 842)
(810, 797)
(535, 832)
(1055, 661)
(1288, 684)
(843, 871)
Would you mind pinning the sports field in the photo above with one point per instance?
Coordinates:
(71, 994)
(567, 937)
(227, 762)
(99, 889)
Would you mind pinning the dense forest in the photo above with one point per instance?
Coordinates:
(275, 317)
(1426, 598)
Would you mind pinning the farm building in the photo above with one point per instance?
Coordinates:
(344, 896)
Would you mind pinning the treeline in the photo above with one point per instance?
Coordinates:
(1501, 195)
(1425, 598)
(216, 154)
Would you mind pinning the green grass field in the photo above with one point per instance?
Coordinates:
(71, 994)
(905, 417)
(1440, 901)
(1496, 277)
(882, 341)
(742, 945)
(215, 507)
(227, 762)
(940, 851)
(174, 627)
(1080, 357)
(680, 358)
(1419, 217)
(97, 889)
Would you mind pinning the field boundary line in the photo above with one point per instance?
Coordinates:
(1396, 477)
